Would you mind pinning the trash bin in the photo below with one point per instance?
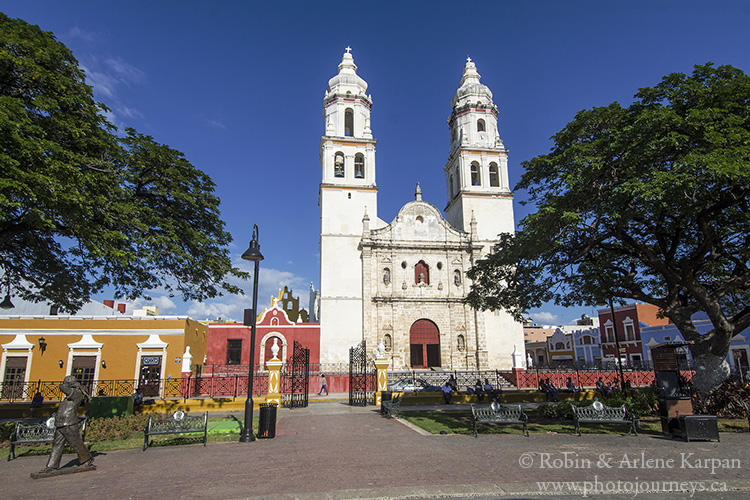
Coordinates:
(267, 421)
(384, 396)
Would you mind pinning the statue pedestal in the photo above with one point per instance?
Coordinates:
(274, 381)
(381, 365)
(62, 471)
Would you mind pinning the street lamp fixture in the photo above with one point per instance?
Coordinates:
(6, 303)
(252, 254)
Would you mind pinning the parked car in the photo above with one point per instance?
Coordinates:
(412, 385)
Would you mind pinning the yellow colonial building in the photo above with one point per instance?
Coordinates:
(143, 350)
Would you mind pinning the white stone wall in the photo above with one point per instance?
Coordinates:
(420, 233)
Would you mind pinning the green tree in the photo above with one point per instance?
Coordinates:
(647, 203)
(81, 209)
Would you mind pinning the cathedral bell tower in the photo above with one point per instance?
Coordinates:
(479, 196)
(476, 174)
(347, 194)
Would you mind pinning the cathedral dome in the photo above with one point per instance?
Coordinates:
(347, 78)
(471, 89)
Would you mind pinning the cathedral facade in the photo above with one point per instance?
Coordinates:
(404, 283)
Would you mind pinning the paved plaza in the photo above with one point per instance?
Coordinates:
(332, 451)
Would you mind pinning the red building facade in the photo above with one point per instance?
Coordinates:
(627, 324)
(228, 343)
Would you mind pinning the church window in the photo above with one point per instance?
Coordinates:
(494, 177)
(349, 122)
(475, 176)
(421, 273)
(450, 186)
(439, 265)
(480, 125)
(457, 277)
(386, 276)
(359, 166)
(461, 343)
(424, 340)
(338, 165)
(403, 265)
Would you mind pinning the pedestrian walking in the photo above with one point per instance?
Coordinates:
(324, 386)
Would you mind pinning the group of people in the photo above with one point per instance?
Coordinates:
(479, 389)
(550, 389)
(608, 389)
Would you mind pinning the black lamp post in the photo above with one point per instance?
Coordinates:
(617, 342)
(252, 254)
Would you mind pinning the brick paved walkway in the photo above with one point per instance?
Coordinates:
(332, 451)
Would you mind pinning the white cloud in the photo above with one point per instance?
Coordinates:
(270, 281)
(125, 72)
(76, 32)
(106, 77)
(217, 124)
(544, 318)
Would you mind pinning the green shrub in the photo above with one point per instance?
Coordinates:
(115, 428)
(557, 411)
(640, 403)
(6, 428)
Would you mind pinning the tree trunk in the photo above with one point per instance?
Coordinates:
(710, 371)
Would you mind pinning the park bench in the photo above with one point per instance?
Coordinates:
(499, 414)
(42, 432)
(177, 423)
(598, 413)
(392, 407)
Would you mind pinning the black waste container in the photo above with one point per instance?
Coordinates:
(267, 421)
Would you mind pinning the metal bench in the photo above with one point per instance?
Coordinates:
(499, 414)
(43, 432)
(599, 413)
(392, 407)
(177, 423)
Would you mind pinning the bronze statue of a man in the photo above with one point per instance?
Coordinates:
(67, 425)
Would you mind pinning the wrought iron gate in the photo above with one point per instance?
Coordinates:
(297, 378)
(361, 377)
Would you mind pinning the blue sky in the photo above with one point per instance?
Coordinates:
(238, 87)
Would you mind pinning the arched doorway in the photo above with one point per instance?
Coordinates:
(424, 340)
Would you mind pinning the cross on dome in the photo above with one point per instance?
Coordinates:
(348, 49)
(468, 59)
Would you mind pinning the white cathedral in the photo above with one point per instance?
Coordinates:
(404, 283)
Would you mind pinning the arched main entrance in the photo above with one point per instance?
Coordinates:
(424, 340)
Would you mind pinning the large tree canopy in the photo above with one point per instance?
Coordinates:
(648, 203)
(80, 208)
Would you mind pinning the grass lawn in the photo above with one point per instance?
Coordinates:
(460, 422)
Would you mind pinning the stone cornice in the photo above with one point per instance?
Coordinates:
(421, 300)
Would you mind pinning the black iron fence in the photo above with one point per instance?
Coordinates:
(230, 386)
(463, 378)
